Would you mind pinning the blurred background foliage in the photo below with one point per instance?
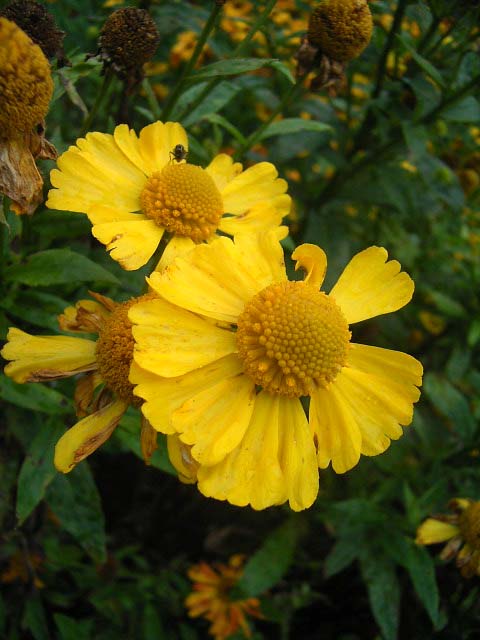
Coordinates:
(392, 158)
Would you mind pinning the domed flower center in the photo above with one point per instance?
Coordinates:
(114, 350)
(292, 338)
(183, 198)
(469, 524)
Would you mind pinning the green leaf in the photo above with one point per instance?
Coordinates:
(267, 565)
(379, 575)
(213, 102)
(37, 470)
(75, 500)
(421, 569)
(234, 67)
(71, 629)
(453, 404)
(467, 110)
(422, 62)
(293, 125)
(34, 618)
(214, 118)
(57, 266)
(344, 552)
(33, 396)
(446, 305)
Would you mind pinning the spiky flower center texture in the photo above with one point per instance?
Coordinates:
(292, 339)
(183, 198)
(26, 84)
(469, 524)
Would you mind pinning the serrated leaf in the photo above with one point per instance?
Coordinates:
(422, 62)
(233, 67)
(293, 125)
(33, 396)
(344, 552)
(448, 400)
(421, 569)
(270, 563)
(379, 575)
(75, 500)
(37, 470)
(58, 266)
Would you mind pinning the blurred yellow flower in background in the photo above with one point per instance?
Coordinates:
(231, 345)
(211, 598)
(133, 191)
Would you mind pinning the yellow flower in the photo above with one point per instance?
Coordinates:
(106, 362)
(224, 355)
(133, 191)
(461, 531)
(26, 88)
(211, 598)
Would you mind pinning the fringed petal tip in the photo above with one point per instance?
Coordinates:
(313, 261)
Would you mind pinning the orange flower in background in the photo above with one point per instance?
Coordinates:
(211, 598)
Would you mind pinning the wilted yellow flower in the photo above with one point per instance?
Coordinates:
(230, 347)
(106, 362)
(461, 531)
(341, 29)
(134, 191)
(26, 88)
(211, 598)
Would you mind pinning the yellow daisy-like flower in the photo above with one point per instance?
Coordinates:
(134, 190)
(106, 362)
(461, 531)
(211, 598)
(225, 354)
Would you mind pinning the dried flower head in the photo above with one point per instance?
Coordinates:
(341, 29)
(39, 25)
(26, 88)
(128, 39)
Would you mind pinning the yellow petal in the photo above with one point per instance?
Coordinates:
(127, 140)
(180, 457)
(259, 218)
(156, 142)
(369, 286)
(177, 246)
(131, 244)
(217, 279)
(41, 358)
(214, 421)
(87, 435)
(338, 438)
(223, 169)
(94, 171)
(104, 213)
(251, 474)
(258, 183)
(297, 455)
(171, 341)
(433, 531)
(163, 395)
(313, 261)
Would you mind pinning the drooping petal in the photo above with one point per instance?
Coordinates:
(163, 396)
(148, 440)
(251, 474)
(41, 358)
(181, 459)
(259, 218)
(156, 142)
(214, 421)
(313, 261)
(131, 243)
(218, 278)
(258, 183)
(95, 171)
(87, 435)
(433, 531)
(338, 438)
(223, 169)
(370, 286)
(171, 341)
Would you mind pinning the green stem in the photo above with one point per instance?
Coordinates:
(240, 50)
(107, 80)
(177, 91)
(294, 91)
